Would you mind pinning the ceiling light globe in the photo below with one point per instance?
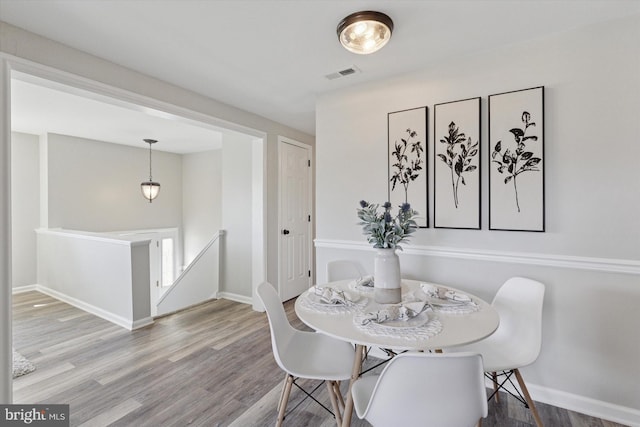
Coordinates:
(150, 190)
(365, 32)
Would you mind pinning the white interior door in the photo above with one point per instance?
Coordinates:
(294, 218)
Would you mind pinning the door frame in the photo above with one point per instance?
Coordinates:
(284, 140)
(6, 331)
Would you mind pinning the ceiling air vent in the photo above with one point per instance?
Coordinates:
(343, 73)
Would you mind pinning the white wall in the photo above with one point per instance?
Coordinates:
(25, 209)
(592, 105)
(236, 254)
(95, 186)
(201, 200)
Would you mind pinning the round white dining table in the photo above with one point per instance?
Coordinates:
(443, 327)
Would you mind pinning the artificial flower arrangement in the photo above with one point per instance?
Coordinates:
(383, 230)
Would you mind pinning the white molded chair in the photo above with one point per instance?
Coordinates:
(517, 341)
(304, 354)
(343, 269)
(424, 389)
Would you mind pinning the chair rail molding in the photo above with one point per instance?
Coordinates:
(607, 265)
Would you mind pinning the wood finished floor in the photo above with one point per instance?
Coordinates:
(209, 366)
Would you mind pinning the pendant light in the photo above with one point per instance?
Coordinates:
(150, 189)
(365, 32)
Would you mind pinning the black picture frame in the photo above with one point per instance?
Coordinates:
(516, 160)
(407, 161)
(457, 144)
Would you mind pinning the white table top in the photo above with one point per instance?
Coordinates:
(457, 328)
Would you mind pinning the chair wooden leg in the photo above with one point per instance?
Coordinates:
(527, 397)
(355, 374)
(285, 399)
(284, 386)
(479, 424)
(495, 386)
(336, 387)
(334, 402)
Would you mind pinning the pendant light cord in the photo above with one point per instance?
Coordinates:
(150, 179)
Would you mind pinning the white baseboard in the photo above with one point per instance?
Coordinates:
(235, 297)
(141, 323)
(104, 314)
(584, 405)
(23, 289)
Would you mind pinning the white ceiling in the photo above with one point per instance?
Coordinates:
(39, 107)
(270, 57)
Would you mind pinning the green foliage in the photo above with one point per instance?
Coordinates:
(384, 231)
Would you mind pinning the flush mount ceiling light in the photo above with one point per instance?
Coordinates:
(365, 32)
(150, 189)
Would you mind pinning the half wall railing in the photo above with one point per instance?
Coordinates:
(199, 282)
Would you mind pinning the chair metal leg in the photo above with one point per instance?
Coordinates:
(530, 403)
(334, 402)
(285, 399)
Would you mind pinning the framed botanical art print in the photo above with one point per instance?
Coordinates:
(516, 160)
(407, 144)
(456, 148)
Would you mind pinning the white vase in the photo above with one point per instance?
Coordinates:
(386, 283)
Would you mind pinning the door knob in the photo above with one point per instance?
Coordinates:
(285, 231)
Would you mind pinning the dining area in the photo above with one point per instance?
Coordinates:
(397, 363)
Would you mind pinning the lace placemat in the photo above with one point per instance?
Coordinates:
(308, 304)
(431, 328)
